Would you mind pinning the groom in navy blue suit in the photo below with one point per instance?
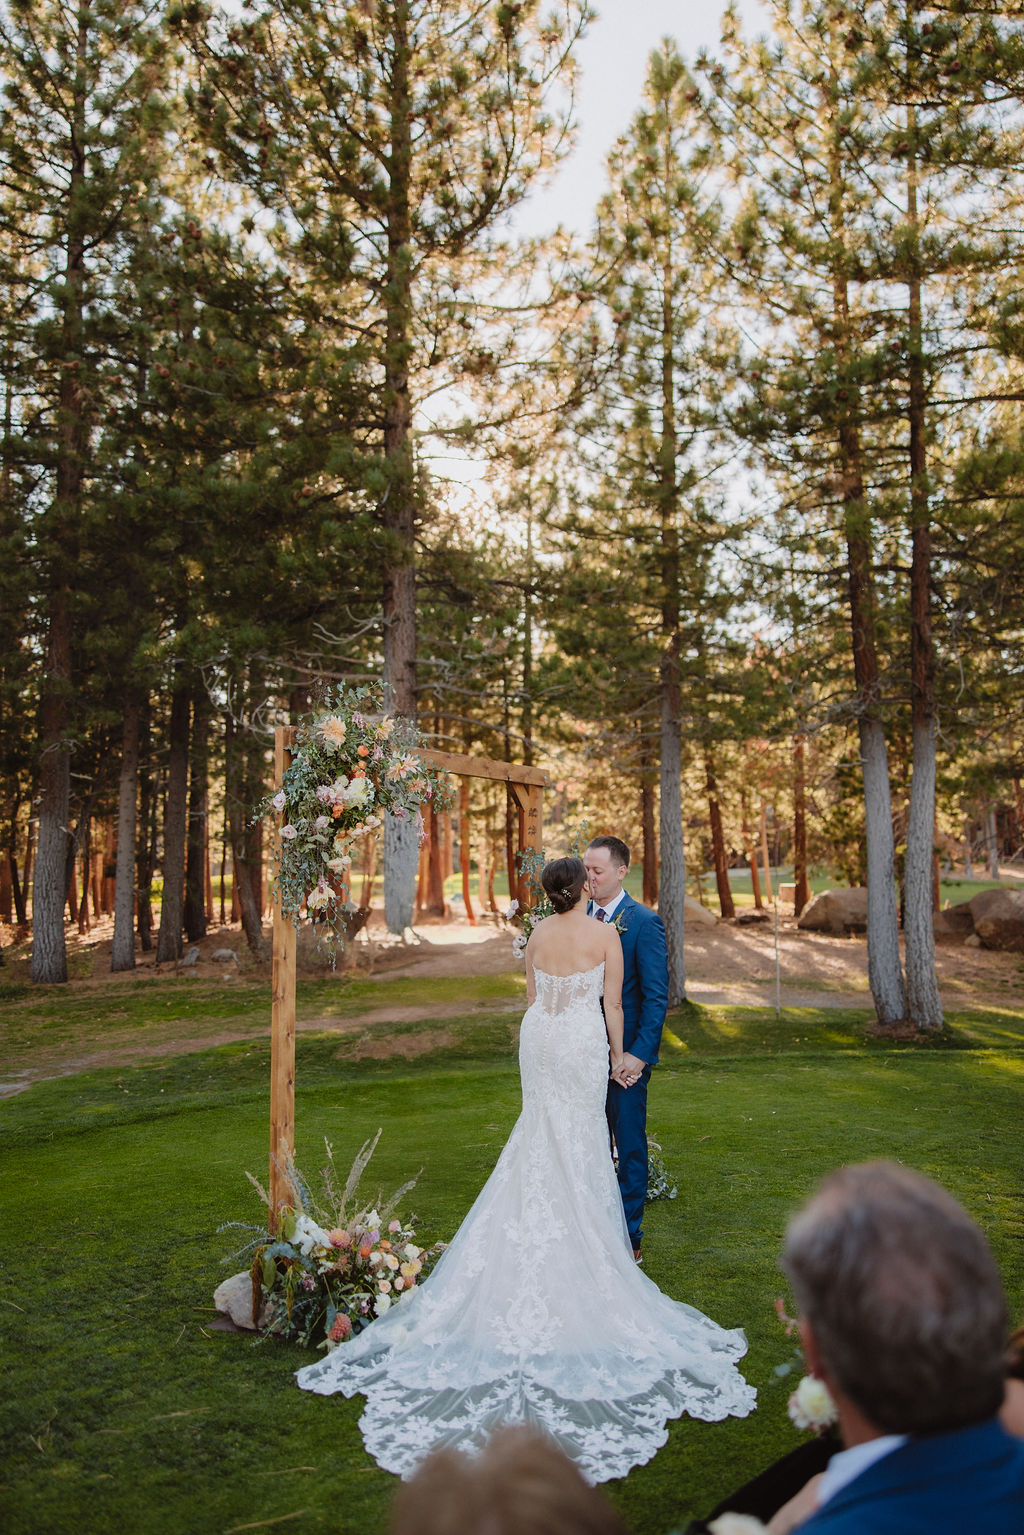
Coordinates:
(644, 1000)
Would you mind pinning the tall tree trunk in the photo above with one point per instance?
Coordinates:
(17, 891)
(195, 855)
(49, 892)
(465, 845)
(923, 1002)
(672, 893)
(991, 827)
(29, 869)
(83, 907)
(725, 900)
(510, 844)
(648, 835)
(885, 970)
(401, 846)
(764, 857)
(236, 810)
(168, 941)
(801, 887)
(435, 883)
(751, 852)
(149, 798)
(122, 953)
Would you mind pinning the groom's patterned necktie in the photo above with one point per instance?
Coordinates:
(601, 914)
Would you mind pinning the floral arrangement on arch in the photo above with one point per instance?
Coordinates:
(352, 764)
(329, 1271)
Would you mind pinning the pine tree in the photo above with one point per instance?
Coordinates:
(649, 269)
(79, 144)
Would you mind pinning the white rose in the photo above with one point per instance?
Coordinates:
(339, 865)
(410, 1251)
(278, 801)
(811, 1406)
(382, 1304)
(289, 832)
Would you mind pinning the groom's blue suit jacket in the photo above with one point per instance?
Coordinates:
(644, 978)
(947, 1484)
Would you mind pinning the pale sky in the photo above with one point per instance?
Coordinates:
(613, 62)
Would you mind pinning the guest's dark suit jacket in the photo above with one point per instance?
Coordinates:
(970, 1482)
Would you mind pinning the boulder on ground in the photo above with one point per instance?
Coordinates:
(695, 912)
(224, 956)
(999, 919)
(837, 911)
(189, 958)
(955, 924)
(234, 1298)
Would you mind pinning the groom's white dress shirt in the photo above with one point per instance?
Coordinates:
(610, 907)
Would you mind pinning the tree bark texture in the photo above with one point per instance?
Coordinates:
(237, 810)
(122, 953)
(923, 1002)
(649, 838)
(195, 856)
(465, 848)
(885, 969)
(718, 853)
(168, 942)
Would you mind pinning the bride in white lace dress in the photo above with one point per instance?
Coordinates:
(537, 1312)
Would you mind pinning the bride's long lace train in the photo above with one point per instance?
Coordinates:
(537, 1312)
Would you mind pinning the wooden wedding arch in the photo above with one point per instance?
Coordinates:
(525, 787)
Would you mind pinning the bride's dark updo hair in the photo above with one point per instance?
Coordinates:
(563, 880)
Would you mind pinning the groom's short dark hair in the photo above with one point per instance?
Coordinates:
(615, 846)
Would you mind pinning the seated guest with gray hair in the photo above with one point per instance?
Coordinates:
(903, 1316)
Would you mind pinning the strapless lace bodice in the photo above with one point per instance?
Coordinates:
(515, 1323)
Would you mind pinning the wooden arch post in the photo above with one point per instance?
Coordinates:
(525, 786)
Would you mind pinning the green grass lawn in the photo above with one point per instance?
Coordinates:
(123, 1411)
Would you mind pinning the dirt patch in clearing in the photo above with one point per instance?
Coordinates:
(405, 1046)
(726, 965)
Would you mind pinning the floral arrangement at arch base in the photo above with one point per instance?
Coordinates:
(329, 1271)
(352, 764)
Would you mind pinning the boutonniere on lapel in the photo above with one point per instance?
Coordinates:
(618, 924)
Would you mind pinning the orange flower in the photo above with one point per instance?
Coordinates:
(365, 1250)
(337, 810)
(362, 751)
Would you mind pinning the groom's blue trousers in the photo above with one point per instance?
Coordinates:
(627, 1122)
